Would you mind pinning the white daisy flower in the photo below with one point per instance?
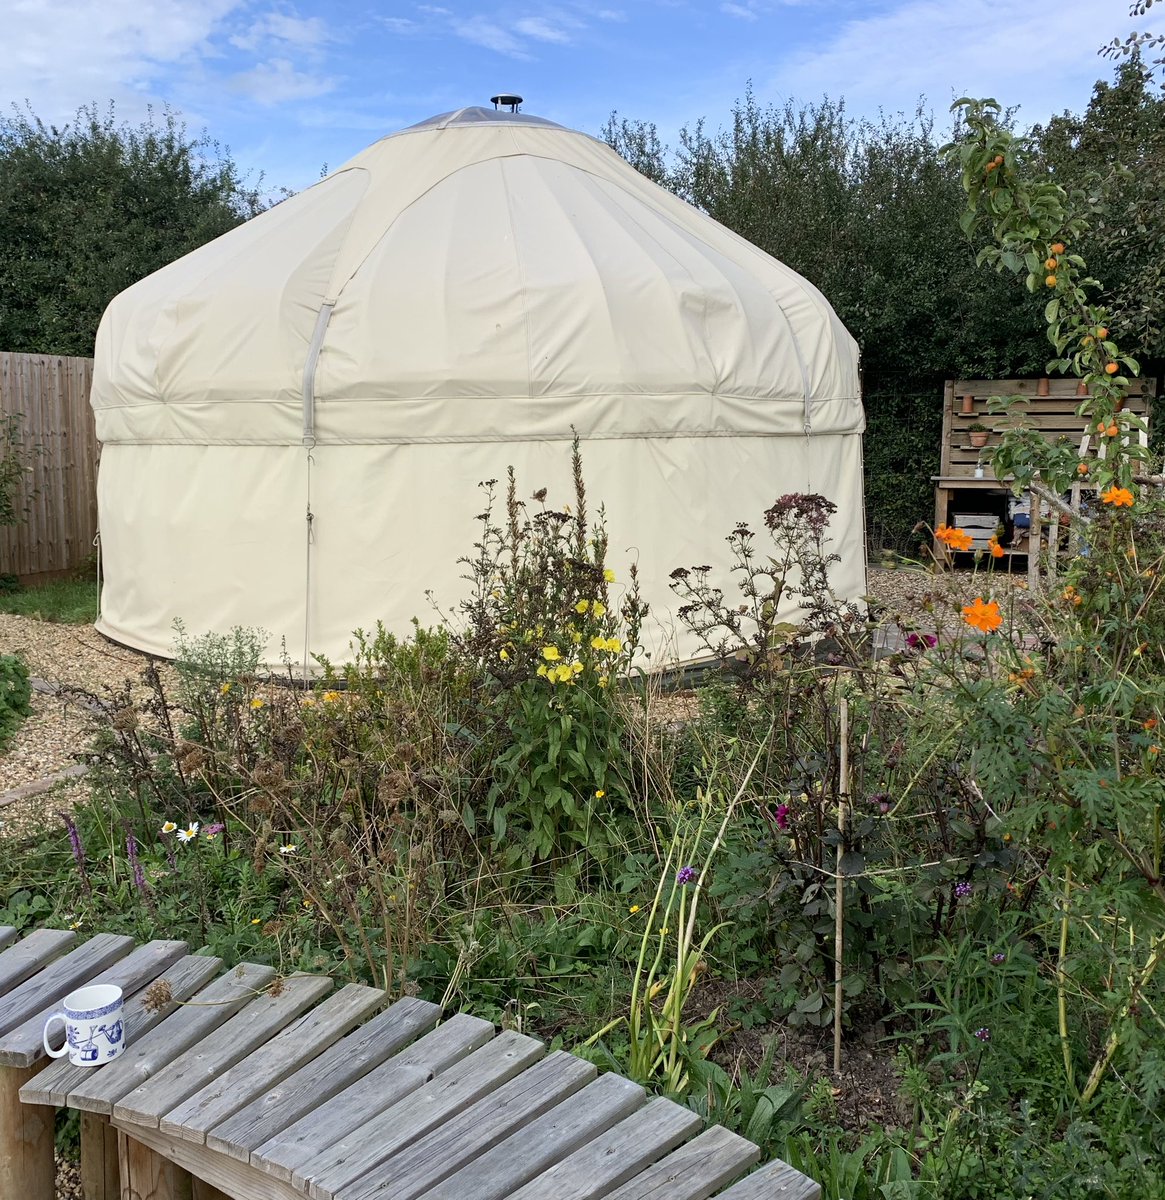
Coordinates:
(169, 827)
(189, 833)
(288, 849)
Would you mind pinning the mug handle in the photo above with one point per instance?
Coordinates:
(45, 1037)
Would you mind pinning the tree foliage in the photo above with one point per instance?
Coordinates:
(89, 208)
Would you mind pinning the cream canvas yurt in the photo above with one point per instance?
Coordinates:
(295, 418)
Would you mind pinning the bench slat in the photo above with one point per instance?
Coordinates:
(695, 1171)
(515, 1105)
(388, 1084)
(527, 1153)
(29, 955)
(301, 1041)
(322, 1078)
(7, 935)
(60, 1083)
(23, 1045)
(616, 1156)
(256, 1024)
(776, 1181)
(355, 1153)
(191, 1024)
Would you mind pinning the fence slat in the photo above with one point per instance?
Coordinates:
(50, 396)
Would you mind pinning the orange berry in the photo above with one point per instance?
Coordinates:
(1112, 368)
(1112, 431)
(991, 167)
(1057, 247)
(1082, 469)
(1100, 426)
(1102, 333)
(999, 160)
(1050, 281)
(1050, 264)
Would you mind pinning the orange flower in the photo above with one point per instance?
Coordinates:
(983, 615)
(1118, 497)
(996, 549)
(956, 539)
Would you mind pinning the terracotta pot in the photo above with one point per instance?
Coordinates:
(1045, 387)
(968, 405)
(1082, 388)
(979, 439)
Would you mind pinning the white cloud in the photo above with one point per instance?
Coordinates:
(277, 81)
(60, 54)
(483, 32)
(399, 24)
(610, 14)
(541, 30)
(738, 10)
(1040, 55)
(300, 33)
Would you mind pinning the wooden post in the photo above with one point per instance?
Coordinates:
(839, 901)
(1035, 537)
(27, 1167)
(100, 1179)
(205, 1191)
(146, 1175)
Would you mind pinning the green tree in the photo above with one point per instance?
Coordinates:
(90, 208)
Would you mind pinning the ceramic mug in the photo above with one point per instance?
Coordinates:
(94, 1026)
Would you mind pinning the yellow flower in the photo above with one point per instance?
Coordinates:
(609, 575)
(663, 932)
(582, 606)
(256, 920)
(308, 702)
(603, 681)
(598, 609)
(330, 697)
(169, 827)
(598, 643)
(575, 636)
(257, 702)
(576, 668)
(600, 794)
(1118, 497)
(550, 653)
(542, 669)
(226, 687)
(634, 908)
(614, 645)
(504, 654)
(985, 617)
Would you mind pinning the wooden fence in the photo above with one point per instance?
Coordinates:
(49, 395)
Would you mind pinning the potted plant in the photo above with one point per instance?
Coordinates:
(978, 434)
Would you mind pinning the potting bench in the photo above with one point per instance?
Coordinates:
(966, 483)
(242, 1084)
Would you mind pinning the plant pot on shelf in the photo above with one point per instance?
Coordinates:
(1044, 387)
(978, 435)
(1082, 388)
(968, 406)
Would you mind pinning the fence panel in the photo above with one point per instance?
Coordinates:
(50, 396)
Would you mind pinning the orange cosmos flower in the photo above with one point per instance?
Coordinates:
(1118, 497)
(956, 539)
(996, 549)
(983, 615)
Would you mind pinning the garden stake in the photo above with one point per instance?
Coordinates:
(839, 903)
(1062, 980)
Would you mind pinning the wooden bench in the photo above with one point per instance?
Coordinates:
(957, 486)
(236, 1083)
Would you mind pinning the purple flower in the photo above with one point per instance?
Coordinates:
(686, 875)
(983, 1033)
(782, 817)
(213, 830)
(921, 641)
(963, 890)
(999, 958)
(135, 863)
(78, 849)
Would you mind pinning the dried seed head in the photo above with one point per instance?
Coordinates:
(276, 986)
(125, 720)
(261, 805)
(157, 996)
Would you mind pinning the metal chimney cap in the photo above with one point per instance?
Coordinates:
(506, 99)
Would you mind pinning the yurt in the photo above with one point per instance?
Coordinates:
(295, 418)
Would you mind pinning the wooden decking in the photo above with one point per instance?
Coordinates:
(238, 1083)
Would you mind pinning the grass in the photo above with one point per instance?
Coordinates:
(63, 601)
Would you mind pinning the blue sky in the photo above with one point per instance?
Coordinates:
(292, 86)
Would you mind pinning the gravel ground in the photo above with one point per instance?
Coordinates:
(48, 742)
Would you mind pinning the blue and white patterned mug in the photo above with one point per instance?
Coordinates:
(94, 1026)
